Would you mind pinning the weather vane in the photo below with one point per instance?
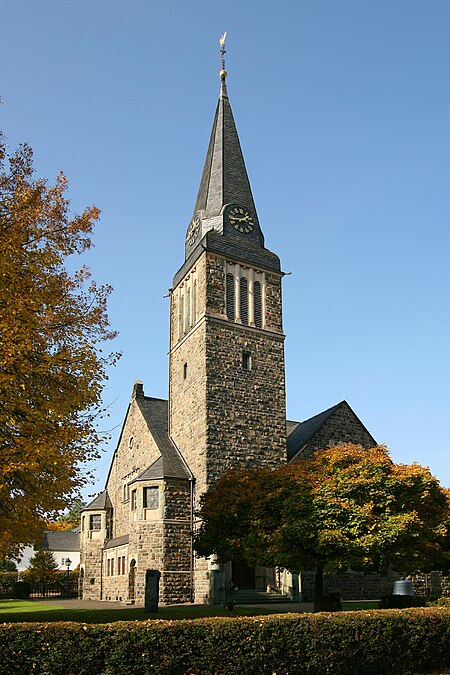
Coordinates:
(223, 72)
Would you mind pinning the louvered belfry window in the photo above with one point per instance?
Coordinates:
(230, 297)
(244, 300)
(245, 295)
(258, 304)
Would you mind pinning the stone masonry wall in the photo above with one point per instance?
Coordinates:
(91, 562)
(136, 451)
(343, 426)
(433, 584)
(187, 379)
(246, 408)
(177, 574)
(351, 585)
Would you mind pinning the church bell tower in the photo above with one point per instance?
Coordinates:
(226, 359)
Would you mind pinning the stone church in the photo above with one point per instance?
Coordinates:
(226, 404)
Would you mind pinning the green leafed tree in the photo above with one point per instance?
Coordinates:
(53, 325)
(346, 507)
(42, 566)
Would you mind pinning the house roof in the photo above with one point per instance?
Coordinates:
(118, 541)
(299, 433)
(68, 540)
(170, 464)
(101, 501)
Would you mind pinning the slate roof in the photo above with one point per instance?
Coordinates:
(68, 540)
(118, 541)
(299, 433)
(212, 241)
(101, 501)
(224, 179)
(170, 464)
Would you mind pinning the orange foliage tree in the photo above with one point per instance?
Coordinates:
(52, 369)
(346, 507)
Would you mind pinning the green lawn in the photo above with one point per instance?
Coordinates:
(12, 611)
(34, 610)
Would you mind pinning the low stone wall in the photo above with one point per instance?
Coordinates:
(431, 584)
(351, 585)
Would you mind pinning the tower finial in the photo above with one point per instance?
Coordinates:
(223, 72)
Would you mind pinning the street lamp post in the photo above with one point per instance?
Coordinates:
(68, 563)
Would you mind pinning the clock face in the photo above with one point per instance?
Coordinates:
(241, 219)
(193, 230)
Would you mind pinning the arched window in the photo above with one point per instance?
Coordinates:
(230, 297)
(244, 300)
(257, 304)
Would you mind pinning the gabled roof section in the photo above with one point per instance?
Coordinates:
(60, 541)
(300, 434)
(224, 179)
(155, 413)
(346, 427)
(101, 501)
(118, 541)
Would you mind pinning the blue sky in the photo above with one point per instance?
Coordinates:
(343, 111)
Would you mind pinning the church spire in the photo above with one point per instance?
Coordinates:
(224, 180)
(225, 218)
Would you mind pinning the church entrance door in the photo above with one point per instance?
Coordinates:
(243, 576)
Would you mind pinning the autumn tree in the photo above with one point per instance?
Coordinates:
(52, 368)
(346, 507)
(70, 519)
(7, 565)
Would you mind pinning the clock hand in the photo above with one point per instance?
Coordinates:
(245, 219)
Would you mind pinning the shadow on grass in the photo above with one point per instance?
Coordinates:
(30, 611)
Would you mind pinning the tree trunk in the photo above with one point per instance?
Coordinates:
(318, 589)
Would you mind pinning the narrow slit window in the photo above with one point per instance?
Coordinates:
(258, 304)
(185, 371)
(188, 309)
(246, 361)
(194, 301)
(244, 300)
(230, 297)
(181, 323)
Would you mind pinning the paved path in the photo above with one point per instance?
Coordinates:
(74, 603)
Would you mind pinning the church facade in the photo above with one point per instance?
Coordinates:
(226, 406)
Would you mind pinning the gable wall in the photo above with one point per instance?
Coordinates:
(127, 464)
(343, 426)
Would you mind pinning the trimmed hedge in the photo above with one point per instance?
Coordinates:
(347, 643)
